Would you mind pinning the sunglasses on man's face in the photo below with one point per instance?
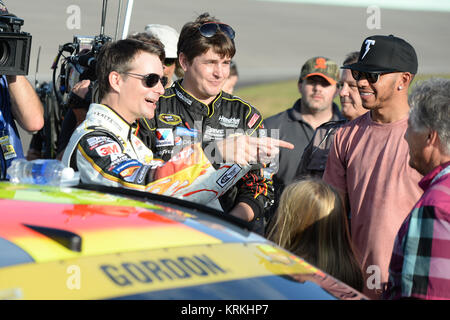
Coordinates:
(210, 28)
(150, 80)
(372, 77)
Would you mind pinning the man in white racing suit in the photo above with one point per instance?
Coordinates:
(105, 150)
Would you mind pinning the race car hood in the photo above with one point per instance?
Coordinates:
(121, 247)
(51, 224)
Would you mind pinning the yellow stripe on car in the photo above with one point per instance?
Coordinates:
(116, 275)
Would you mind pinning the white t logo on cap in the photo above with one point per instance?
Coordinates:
(368, 44)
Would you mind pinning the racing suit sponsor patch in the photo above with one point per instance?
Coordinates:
(182, 131)
(163, 152)
(164, 137)
(253, 120)
(141, 174)
(116, 159)
(127, 168)
(213, 133)
(108, 149)
(185, 136)
(94, 142)
(228, 175)
(130, 174)
(171, 119)
(182, 97)
(113, 122)
(229, 122)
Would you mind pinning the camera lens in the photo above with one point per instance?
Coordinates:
(4, 52)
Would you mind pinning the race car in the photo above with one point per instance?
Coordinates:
(95, 242)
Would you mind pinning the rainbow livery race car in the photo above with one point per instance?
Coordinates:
(93, 242)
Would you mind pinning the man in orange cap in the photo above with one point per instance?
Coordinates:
(318, 87)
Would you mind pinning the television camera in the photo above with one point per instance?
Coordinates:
(15, 46)
(75, 61)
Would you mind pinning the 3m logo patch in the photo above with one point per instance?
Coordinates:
(107, 149)
(171, 119)
(253, 120)
(164, 137)
(228, 175)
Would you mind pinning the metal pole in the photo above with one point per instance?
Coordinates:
(118, 20)
(102, 27)
(126, 24)
(37, 68)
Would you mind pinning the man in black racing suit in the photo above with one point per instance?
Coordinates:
(177, 124)
(196, 109)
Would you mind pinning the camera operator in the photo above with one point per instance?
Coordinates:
(78, 104)
(18, 102)
(82, 94)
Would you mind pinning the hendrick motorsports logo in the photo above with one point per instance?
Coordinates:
(229, 122)
(228, 175)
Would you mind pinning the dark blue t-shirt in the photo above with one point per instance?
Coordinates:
(11, 146)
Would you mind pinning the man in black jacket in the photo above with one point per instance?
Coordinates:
(196, 109)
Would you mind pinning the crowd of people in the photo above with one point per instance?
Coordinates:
(362, 191)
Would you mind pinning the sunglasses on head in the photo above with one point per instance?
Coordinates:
(150, 80)
(210, 28)
(372, 77)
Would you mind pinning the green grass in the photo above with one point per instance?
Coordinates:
(272, 98)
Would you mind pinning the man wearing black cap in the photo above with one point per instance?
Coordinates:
(368, 162)
(18, 101)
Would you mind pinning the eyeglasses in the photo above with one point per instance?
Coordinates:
(150, 80)
(169, 61)
(210, 28)
(372, 77)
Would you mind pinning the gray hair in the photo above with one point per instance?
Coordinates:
(351, 57)
(430, 108)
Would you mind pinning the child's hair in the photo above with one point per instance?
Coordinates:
(311, 222)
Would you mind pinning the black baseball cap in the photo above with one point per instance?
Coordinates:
(385, 54)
